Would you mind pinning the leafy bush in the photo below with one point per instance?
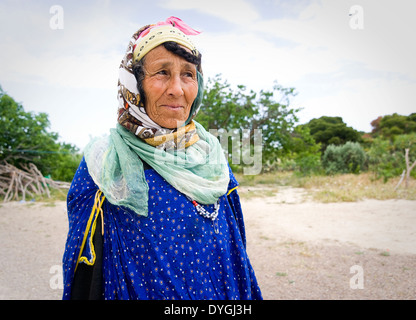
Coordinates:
(309, 164)
(347, 158)
(386, 156)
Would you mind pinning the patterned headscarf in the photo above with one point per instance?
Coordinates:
(132, 114)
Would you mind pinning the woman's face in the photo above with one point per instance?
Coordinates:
(170, 85)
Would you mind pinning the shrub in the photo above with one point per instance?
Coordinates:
(386, 156)
(347, 158)
(308, 164)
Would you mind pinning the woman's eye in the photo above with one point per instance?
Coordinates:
(189, 74)
(162, 72)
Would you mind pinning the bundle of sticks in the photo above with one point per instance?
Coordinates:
(16, 183)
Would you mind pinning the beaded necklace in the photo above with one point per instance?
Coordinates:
(209, 215)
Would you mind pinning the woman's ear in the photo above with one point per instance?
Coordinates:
(139, 73)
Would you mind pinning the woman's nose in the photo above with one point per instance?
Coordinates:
(175, 86)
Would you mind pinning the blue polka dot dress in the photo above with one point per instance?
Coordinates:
(173, 253)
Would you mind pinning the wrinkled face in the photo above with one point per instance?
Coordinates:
(170, 86)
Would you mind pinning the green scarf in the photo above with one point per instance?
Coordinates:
(199, 171)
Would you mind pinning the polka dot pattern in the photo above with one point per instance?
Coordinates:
(173, 253)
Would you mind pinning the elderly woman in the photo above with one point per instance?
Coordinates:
(153, 208)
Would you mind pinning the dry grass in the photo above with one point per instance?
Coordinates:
(56, 195)
(263, 191)
(338, 188)
(270, 179)
(351, 187)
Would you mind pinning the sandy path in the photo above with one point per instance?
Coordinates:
(298, 250)
(388, 225)
(33, 238)
(313, 250)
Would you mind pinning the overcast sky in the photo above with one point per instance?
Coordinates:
(353, 62)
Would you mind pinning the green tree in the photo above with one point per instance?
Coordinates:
(332, 130)
(224, 108)
(24, 138)
(304, 151)
(392, 125)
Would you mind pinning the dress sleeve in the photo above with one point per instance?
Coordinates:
(234, 201)
(80, 201)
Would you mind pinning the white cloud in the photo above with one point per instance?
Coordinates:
(235, 11)
(385, 44)
(83, 54)
(360, 101)
(255, 62)
(372, 69)
(89, 70)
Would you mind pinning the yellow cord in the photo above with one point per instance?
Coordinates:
(95, 212)
(232, 190)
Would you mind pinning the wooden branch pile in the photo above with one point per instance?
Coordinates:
(15, 183)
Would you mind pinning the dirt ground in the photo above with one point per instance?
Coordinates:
(299, 249)
(306, 250)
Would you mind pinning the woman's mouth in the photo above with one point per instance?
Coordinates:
(173, 107)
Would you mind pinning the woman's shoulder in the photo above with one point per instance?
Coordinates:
(82, 184)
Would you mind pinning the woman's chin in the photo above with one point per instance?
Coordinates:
(171, 123)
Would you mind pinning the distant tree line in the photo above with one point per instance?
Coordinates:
(324, 145)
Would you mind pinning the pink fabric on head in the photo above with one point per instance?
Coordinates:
(175, 22)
